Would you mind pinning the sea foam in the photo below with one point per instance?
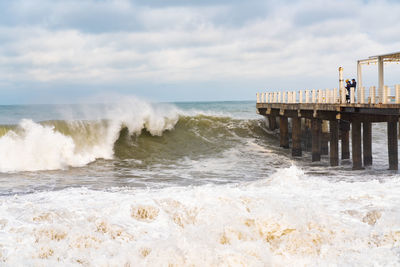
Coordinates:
(299, 220)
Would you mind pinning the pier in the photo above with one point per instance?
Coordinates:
(319, 117)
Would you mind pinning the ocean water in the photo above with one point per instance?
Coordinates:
(185, 184)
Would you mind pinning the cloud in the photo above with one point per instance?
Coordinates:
(187, 43)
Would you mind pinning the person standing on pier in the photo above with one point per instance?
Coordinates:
(348, 86)
(354, 85)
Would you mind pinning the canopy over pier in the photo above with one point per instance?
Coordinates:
(380, 60)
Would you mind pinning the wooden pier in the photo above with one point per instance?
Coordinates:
(319, 117)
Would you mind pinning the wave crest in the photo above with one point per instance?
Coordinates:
(52, 145)
(150, 134)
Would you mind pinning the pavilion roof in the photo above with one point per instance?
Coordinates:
(392, 57)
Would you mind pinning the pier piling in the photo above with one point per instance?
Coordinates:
(272, 123)
(392, 143)
(344, 136)
(284, 132)
(296, 137)
(356, 144)
(333, 144)
(367, 143)
(307, 140)
(316, 139)
(324, 138)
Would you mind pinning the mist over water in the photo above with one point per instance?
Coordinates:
(203, 184)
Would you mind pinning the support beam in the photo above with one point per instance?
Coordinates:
(392, 144)
(359, 76)
(316, 139)
(367, 143)
(356, 144)
(334, 144)
(284, 132)
(344, 135)
(381, 79)
(296, 137)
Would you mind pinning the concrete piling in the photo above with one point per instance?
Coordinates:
(272, 123)
(392, 144)
(356, 144)
(316, 139)
(334, 144)
(306, 135)
(344, 136)
(296, 137)
(284, 132)
(367, 143)
(324, 138)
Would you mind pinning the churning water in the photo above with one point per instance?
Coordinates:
(187, 184)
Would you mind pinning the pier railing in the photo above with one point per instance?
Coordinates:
(389, 95)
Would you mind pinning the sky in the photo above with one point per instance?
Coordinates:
(72, 51)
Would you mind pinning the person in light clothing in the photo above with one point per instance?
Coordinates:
(348, 85)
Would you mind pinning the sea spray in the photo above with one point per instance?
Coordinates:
(35, 147)
(32, 146)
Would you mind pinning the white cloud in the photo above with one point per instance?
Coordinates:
(188, 44)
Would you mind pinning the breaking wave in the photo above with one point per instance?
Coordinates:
(137, 130)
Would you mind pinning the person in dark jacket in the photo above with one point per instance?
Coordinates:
(353, 84)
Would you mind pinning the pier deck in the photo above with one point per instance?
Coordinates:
(326, 119)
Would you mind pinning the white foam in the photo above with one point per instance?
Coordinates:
(286, 219)
(37, 147)
(33, 147)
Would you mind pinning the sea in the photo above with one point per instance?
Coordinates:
(139, 183)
